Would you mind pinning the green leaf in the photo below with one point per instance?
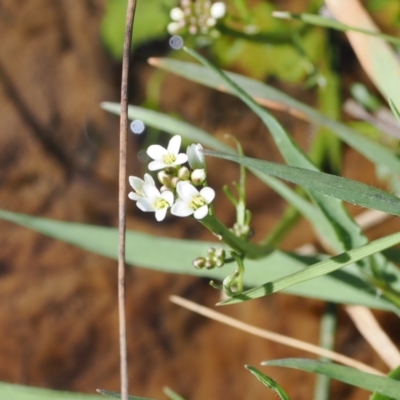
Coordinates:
(151, 19)
(171, 394)
(9, 391)
(334, 24)
(268, 382)
(116, 395)
(330, 185)
(379, 384)
(395, 110)
(395, 374)
(370, 149)
(321, 268)
(344, 286)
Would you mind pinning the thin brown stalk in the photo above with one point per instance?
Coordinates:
(123, 135)
(275, 337)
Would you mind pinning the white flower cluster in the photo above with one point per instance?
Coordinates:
(198, 16)
(178, 192)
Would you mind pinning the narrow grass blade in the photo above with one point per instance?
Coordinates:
(261, 92)
(171, 394)
(378, 384)
(321, 268)
(9, 391)
(395, 374)
(268, 382)
(343, 286)
(329, 185)
(318, 20)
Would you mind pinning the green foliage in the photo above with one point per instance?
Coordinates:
(150, 23)
(378, 384)
(268, 382)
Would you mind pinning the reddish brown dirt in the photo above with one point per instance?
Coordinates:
(59, 159)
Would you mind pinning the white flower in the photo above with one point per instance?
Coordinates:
(191, 201)
(218, 10)
(195, 156)
(137, 185)
(154, 201)
(169, 157)
(177, 14)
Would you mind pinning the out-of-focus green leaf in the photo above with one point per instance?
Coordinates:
(172, 395)
(344, 286)
(379, 384)
(116, 395)
(395, 374)
(151, 19)
(330, 185)
(322, 268)
(268, 382)
(9, 391)
(334, 24)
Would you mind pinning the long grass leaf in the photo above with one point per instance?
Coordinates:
(330, 185)
(322, 268)
(378, 384)
(344, 286)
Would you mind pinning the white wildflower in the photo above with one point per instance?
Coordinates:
(137, 185)
(191, 201)
(154, 201)
(164, 158)
(218, 10)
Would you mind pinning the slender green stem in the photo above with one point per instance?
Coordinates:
(244, 248)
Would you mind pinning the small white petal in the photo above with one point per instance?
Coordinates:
(174, 144)
(168, 196)
(176, 14)
(134, 196)
(156, 165)
(181, 159)
(186, 191)
(208, 194)
(160, 214)
(136, 183)
(218, 10)
(150, 191)
(156, 152)
(201, 212)
(148, 179)
(144, 205)
(181, 209)
(195, 156)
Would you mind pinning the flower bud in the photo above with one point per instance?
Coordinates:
(164, 178)
(183, 174)
(198, 176)
(174, 181)
(199, 262)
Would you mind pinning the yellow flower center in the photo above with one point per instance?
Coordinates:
(197, 202)
(160, 204)
(169, 159)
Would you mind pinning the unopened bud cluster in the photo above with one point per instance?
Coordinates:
(195, 17)
(215, 258)
(170, 177)
(242, 231)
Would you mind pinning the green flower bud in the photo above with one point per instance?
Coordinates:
(184, 174)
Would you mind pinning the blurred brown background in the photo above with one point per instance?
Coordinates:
(59, 159)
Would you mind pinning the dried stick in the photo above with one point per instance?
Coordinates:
(275, 337)
(123, 135)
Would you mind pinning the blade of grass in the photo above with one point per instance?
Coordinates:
(318, 20)
(329, 185)
(378, 384)
(268, 382)
(344, 286)
(321, 268)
